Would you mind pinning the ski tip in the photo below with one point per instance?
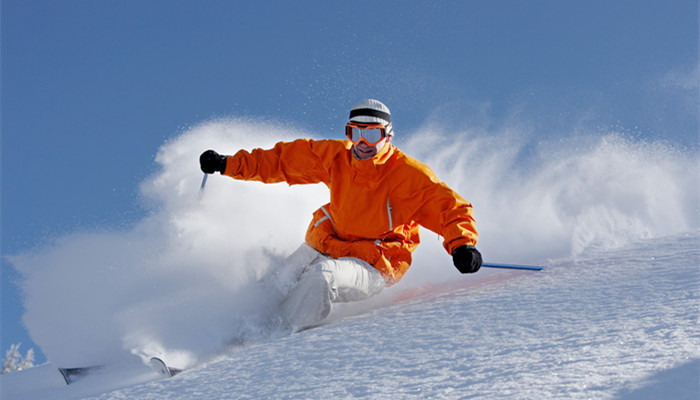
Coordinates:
(159, 365)
(71, 375)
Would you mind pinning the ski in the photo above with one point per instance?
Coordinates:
(71, 375)
(160, 367)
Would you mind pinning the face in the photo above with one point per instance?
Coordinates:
(365, 151)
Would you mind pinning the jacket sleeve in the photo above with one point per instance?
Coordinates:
(443, 211)
(302, 161)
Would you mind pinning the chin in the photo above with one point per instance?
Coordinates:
(365, 156)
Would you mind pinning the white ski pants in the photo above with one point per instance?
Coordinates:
(322, 281)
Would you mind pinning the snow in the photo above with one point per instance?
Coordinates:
(613, 325)
(614, 314)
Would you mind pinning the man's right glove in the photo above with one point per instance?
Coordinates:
(211, 161)
(467, 259)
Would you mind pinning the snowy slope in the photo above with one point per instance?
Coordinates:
(619, 324)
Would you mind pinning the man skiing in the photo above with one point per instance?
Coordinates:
(362, 240)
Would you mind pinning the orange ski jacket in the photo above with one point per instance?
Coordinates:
(376, 205)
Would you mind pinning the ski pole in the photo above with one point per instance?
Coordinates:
(513, 266)
(204, 183)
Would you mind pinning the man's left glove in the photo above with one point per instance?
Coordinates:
(467, 259)
(211, 161)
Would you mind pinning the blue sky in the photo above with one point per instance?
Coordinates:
(92, 89)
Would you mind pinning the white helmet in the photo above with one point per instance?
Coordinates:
(372, 111)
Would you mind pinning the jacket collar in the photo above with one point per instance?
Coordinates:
(370, 171)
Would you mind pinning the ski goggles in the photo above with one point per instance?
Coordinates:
(369, 133)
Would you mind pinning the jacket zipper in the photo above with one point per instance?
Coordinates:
(388, 209)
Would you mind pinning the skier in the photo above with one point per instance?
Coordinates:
(362, 240)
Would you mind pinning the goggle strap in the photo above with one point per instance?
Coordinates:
(369, 112)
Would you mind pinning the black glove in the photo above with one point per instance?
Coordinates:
(211, 161)
(467, 259)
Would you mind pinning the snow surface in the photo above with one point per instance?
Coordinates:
(614, 315)
(613, 325)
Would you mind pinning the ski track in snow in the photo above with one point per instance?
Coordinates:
(620, 324)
